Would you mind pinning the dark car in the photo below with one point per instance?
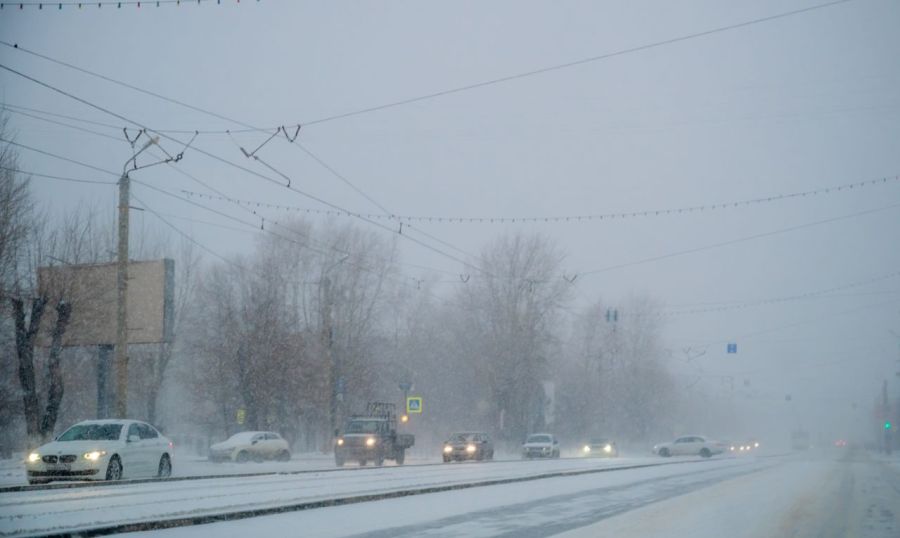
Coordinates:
(600, 448)
(468, 446)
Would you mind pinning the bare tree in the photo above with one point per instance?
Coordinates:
(508, 327)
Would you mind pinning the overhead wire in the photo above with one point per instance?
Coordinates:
(784, 299)
(477, 85)
(739, 240)
(193, 178)
(239, 167)
(60, 178)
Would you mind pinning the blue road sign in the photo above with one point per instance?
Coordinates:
(732, 348)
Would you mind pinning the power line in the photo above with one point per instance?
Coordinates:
(167, 193)
(784, 299)
(847, 187)
(60, 178)
(738, 240)
(63, 124)
(239, 167)
(477, 85)
(63, 116)
(60, 157)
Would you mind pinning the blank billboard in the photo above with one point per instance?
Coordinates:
(91, 289)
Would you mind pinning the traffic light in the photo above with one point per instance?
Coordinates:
(887, 425)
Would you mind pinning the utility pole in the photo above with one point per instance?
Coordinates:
(122, 277)
(121, 298)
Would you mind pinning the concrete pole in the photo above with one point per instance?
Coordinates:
(121, 301)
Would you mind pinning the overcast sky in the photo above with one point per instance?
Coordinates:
(793, 104)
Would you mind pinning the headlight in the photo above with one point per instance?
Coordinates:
(95, 455)
(587, 448)
(448, 449)
(370, 441)
(732, 449)
(340, 442)
(607, 449)
(470, 448)
(34, 457)
(755, 445)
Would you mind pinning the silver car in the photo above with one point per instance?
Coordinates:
(540, 445)
(247, 446)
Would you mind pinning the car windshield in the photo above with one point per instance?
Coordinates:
(538, 439)
(243, 437)
(599, 442)
(363, 426)
(92, 432)
(462, 437)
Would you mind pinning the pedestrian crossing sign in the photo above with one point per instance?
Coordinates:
(414, 404)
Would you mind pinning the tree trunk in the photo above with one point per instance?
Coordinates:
(25, 336)
(56, 388)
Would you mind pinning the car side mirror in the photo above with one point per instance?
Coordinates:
(134, 438)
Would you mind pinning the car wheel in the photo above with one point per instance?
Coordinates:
(705, 453)
(37, 481)
(242, 457)
(114, 469)
(401, 457)
(165, 467)
(446, 459)
(339, 461)
(379, 460)
(664, 452)
(284, 455)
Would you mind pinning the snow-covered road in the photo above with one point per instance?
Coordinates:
(832, 493)
(58, 510)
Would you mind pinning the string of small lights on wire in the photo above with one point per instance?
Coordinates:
(137, 3)
(846, 187)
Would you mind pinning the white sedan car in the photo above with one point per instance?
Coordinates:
(246, 446)
(690, 445)
(102, 450)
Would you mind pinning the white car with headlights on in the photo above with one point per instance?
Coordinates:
(102, 450)
(246, 446)
(690, 445)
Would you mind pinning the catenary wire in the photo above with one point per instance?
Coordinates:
(477, 85)
(244, 169)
